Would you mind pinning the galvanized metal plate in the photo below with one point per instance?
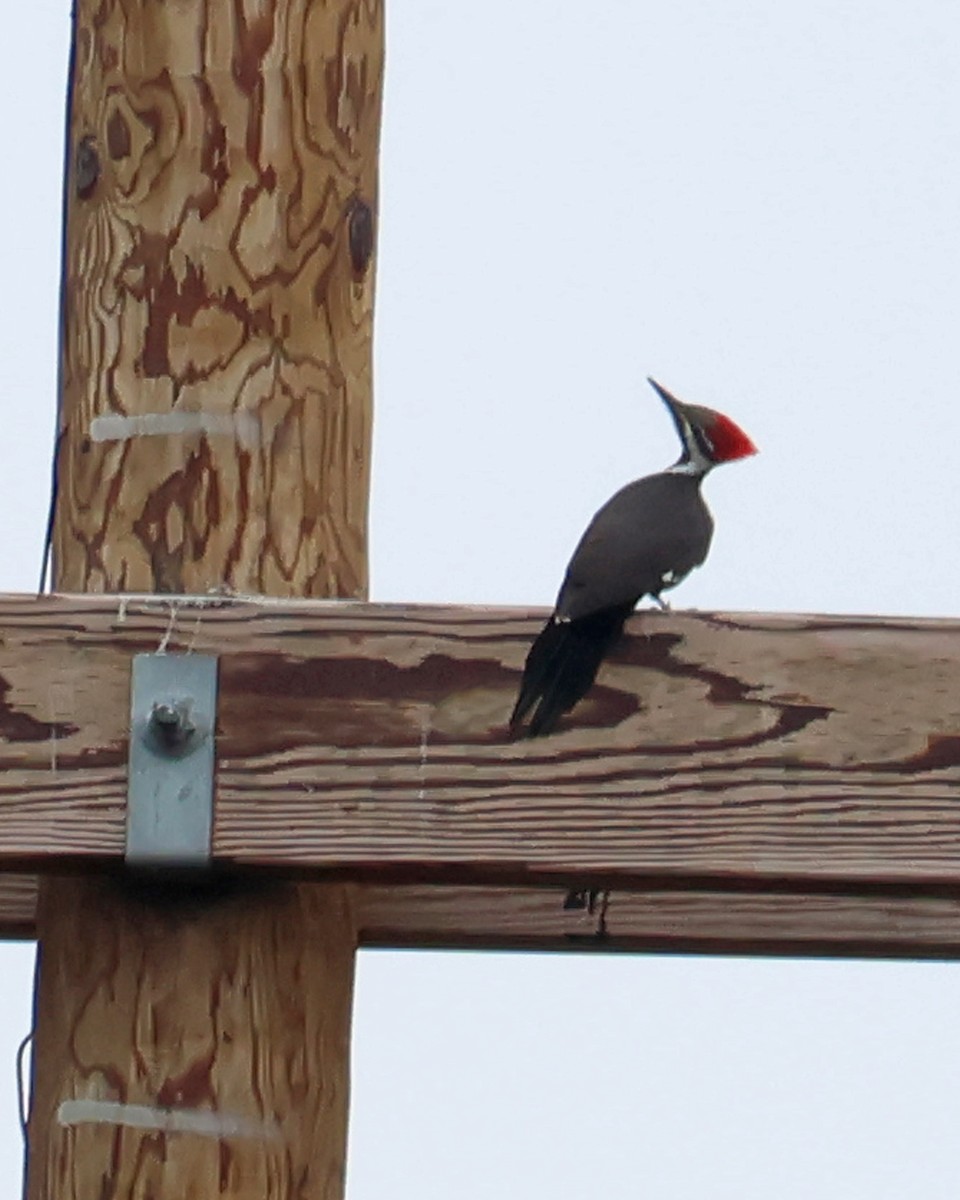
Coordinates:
(173, 715)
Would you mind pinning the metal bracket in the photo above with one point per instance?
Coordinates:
(173, 715)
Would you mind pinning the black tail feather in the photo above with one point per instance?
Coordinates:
(562, 665)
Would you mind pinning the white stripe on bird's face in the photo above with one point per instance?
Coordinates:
(696, 459)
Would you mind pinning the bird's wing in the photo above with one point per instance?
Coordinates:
(645, 539)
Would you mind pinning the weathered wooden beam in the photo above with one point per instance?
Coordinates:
(682, 921)
(894, 925)
(18, 906)
(367, 741)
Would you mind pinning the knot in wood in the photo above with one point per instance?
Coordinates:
(360, 234)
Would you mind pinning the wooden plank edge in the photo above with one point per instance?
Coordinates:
(724, 923)
(695, 922)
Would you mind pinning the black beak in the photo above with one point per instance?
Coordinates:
(674, 407)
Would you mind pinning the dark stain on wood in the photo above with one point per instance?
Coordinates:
(356, 700)
(340, 701)
(179, 493)
(118, 136)
(18, 726)
(86, 168)
(360, 233)
(656, 652)
(193, 1088)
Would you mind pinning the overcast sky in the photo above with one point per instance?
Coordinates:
(758, 203)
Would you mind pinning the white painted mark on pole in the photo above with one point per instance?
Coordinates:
(117, 427)
(170, 1120)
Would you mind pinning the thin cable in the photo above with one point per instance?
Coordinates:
(22, 1103)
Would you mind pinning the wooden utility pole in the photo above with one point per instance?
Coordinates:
(214, 436)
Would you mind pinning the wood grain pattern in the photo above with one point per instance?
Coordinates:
(682, 921)
(18, 906)
(369, 740)
(218, 297)
(198, 1012)
(214, 434)
(686, 920)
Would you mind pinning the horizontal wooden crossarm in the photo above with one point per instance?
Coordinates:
(682, 920)
(788, 765)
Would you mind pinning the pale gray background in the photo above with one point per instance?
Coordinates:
(758, 203)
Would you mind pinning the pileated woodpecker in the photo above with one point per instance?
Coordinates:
(644, 540)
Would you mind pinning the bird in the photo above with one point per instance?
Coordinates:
(644, 541)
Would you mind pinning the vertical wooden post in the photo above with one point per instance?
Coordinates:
(214, 435)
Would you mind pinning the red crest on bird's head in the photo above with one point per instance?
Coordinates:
(728, 440)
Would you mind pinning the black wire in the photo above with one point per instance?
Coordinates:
(22, 1106)
(46, 560)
